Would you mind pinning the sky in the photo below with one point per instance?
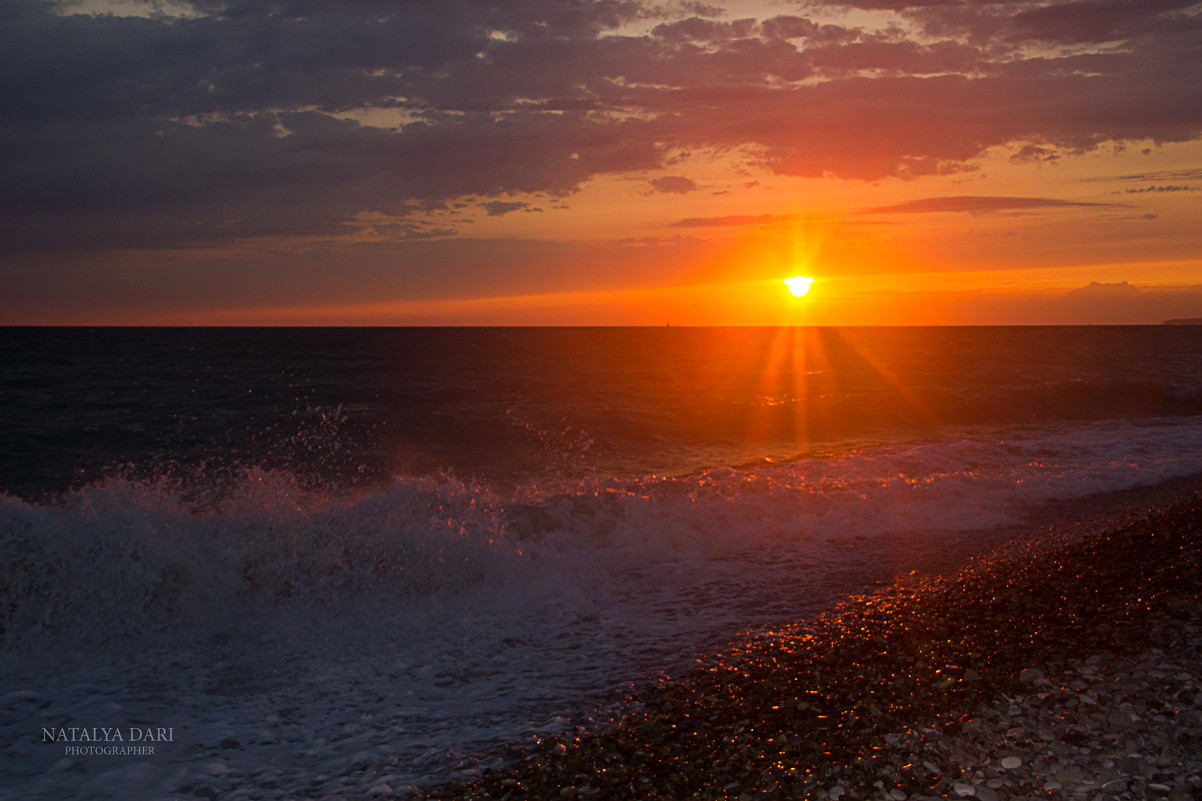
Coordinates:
(600, 162)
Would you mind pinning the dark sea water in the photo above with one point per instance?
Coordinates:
(347, 406)
(416, 545)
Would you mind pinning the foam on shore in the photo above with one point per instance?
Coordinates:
(334, 699)
(955, 686)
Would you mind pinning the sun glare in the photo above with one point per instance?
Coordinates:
(798, 285)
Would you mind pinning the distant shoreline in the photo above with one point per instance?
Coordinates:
(1184, 321)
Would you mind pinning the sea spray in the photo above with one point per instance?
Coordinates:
(121, 557)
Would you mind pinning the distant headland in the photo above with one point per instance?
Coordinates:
(1184, 321)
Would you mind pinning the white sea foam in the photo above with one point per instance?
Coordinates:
(408, 631)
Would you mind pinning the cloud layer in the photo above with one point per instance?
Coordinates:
(272, 118)
(974, 205)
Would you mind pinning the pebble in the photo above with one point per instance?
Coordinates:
(363, 757)
(1070, 775)
(1133, 736)
(1107, 757)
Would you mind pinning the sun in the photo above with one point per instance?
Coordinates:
(798, 285)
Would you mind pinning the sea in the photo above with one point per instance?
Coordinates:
(328, 562)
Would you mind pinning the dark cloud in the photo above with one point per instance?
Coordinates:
(499, 208)
(1097, 20)
(890, 5)
(728, 221)
(789, 27)
(1097, 289)
(973, 205)
(697, 29)
(1159, 189)
(1034, 153)
(1165, 175)
(250, 118)
(674, 185)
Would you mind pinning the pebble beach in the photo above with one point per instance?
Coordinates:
(1071, 671)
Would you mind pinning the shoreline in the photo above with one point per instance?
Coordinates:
(1036, 672)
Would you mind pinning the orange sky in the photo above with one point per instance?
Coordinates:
(570, 162)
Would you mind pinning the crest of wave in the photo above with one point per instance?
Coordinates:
(121, 557)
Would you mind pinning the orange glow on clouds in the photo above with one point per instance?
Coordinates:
(671, 165)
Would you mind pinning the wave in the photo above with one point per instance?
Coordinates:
(121, 556)
(1086, 399)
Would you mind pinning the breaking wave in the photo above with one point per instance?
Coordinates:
(121, 556)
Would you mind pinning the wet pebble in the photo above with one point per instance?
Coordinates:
(799, 715)
(1030, 675)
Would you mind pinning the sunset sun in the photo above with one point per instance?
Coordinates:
(799, 285)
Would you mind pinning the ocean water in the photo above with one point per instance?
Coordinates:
(327, 559)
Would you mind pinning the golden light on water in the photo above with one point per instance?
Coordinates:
(799, 285)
